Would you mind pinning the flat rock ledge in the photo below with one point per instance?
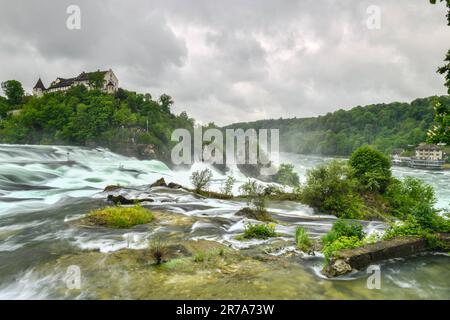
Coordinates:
(357, 259)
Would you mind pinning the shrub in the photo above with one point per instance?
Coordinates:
(339, 244)
(421, 223)
(255, 195)
(372, 168)
(259, 231)
(201, 179)
(408, 195)
(158, 250)
(228, 186)
(331, 189)
(343, 228)
(120, 217)
(287, 176)
(302, 239)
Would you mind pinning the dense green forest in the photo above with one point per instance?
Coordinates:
(126, 122)
(384, 126)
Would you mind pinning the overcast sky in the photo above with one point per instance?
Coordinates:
(230, 61)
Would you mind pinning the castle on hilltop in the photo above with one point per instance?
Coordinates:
(110, 83)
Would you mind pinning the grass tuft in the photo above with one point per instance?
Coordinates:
(120, 217)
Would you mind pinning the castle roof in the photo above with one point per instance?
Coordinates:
(84, 76)
(39, 85)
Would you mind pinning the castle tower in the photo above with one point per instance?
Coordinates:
(39, 88)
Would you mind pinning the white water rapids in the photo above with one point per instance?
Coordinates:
(44, 188)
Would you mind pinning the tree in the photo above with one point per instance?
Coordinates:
(255, 194)
(371, 167)
(4, 107)
(440, 133)
(166, 102)
(227, 188)
(13, 91)
(201, 179)
(445, 70)
(448, 8)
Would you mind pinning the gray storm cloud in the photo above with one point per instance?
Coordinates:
(229, 61)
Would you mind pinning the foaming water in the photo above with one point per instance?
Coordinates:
(45, 189)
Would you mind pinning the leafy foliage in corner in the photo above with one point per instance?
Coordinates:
(440, 132)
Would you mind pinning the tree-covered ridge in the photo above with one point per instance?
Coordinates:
(384, 126)
(93, 118)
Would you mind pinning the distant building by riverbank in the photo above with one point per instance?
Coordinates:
(427, 156)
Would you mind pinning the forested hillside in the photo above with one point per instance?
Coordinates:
(125, 122)
(385, 126)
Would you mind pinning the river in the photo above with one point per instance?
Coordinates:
(44, 189)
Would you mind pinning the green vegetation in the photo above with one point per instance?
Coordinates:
(339, 244)
(331, 188)
(13, 91)
(405, 197)
(119, 217)
(287, 176)
(343, 228)
(445, 70)
(423, 222)
(364, 189)
(208, 255)
(259, 231)
(302, 240)
(440, 132)
(345, 234)
(383, 126)
(255, 194)
(201, 179)
(227, 189)
(123, 121)
(371, 168)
